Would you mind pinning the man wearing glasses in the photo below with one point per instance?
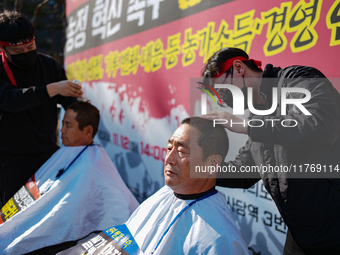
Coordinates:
(308, 203)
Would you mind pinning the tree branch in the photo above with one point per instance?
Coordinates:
(36, 12)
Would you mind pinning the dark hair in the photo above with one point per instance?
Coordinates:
(213, 64)
(213, 140)
(87, 114)
(15, 27)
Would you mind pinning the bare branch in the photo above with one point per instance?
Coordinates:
(18, 5)
(36, 12)
(5, 4)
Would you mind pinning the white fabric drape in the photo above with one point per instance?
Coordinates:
(89, 196)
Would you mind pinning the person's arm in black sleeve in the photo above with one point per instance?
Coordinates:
(13, 99)
(321, 128)
(239, 179)
(21, 98)
(64, 101)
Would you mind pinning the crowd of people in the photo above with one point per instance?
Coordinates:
(53, 198)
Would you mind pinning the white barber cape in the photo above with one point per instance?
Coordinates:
(206, 227)
(89, 196)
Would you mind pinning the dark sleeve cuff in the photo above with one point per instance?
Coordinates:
(259, 133)
(42, 93)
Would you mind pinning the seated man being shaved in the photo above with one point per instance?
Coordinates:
(76, 192)
(188, 215)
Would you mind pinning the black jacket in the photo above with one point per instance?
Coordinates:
(28, 116)
(308, 202)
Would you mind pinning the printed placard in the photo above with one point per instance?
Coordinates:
(25, 196)
(116, 240)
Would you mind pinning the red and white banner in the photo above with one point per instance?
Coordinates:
(135, 59)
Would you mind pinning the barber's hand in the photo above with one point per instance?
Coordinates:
(228, 121)
(65, 88)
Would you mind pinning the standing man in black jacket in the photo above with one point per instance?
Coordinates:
(31, 85)
(303, 144)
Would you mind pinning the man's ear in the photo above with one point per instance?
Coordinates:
(239, 67)
(217, 159)
(88, 130)
(214, 160)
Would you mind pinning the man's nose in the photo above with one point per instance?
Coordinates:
(170, 157)
(25, 49)
(62, 130)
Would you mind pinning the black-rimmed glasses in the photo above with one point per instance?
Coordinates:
(225, 94)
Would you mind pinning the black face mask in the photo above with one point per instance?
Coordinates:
(227, 97)
(25, 60)
(245, 94)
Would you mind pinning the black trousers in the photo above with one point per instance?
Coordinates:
(15, 170)
(291, 248)
(54, 249)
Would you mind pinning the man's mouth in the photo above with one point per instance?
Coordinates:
(169, 172)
